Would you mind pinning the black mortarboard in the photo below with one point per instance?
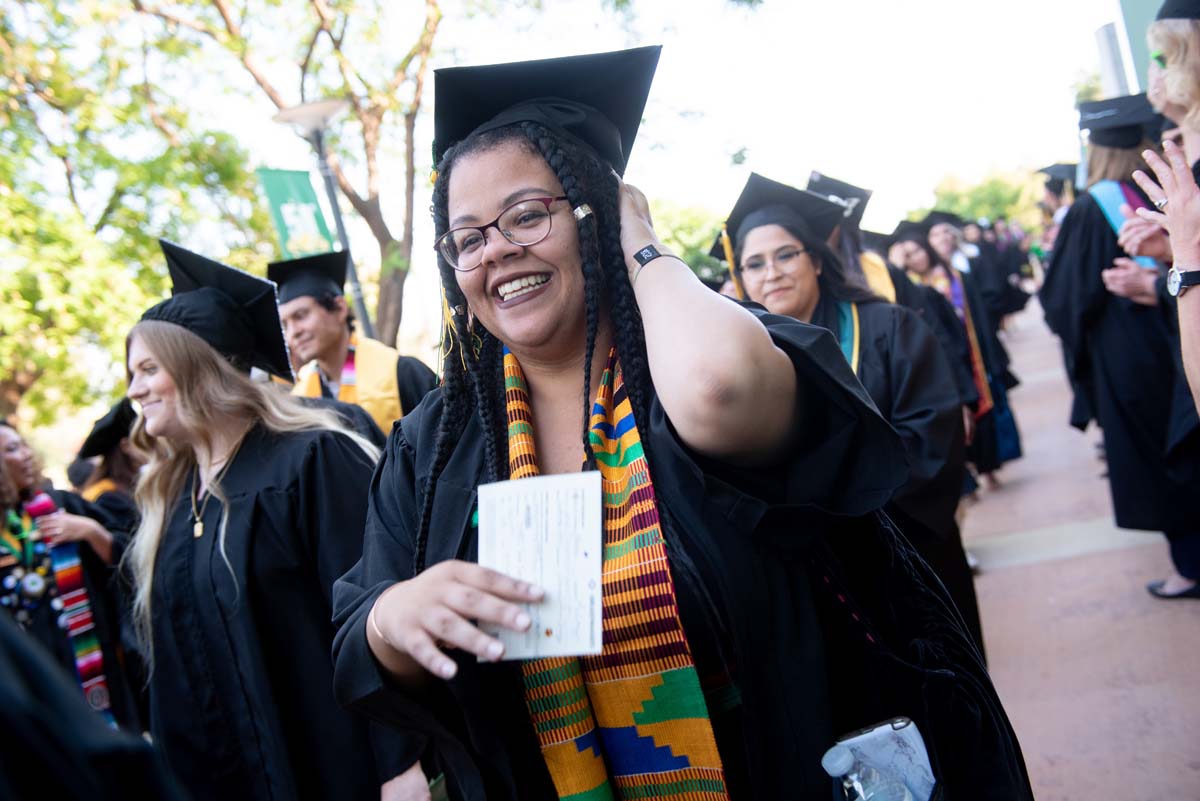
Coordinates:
(109, 430)
(322, 274)
(907, 230)
(231, 310)
(1118, 122)
(767, 202)
(854, 198)
(1179, 9)
(598, 98)
(876, 242)
(1061, 172)
(937, 217)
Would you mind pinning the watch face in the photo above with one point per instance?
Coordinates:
(1173, 279)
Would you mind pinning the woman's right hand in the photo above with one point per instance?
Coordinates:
(419, 619)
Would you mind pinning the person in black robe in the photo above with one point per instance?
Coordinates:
(892, 351)
(771, 528)
(54, 744)
(29, 586)
(1121, 350)
(248, 517)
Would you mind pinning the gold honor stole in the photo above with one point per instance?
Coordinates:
(953, 290)
(630, 723)
(368, 380)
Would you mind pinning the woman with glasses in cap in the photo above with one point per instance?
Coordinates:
(784, 262)
(252, 504)
(738, 453)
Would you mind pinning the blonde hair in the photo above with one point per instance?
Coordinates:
(1115, 163)
(212, 395)
(1179, 41)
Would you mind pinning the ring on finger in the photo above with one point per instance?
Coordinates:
(1161, 203)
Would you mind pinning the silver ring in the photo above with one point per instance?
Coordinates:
(1161, 203)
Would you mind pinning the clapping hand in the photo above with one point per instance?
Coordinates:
(1176, 199)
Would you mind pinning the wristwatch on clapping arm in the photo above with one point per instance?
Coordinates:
(1179, 280)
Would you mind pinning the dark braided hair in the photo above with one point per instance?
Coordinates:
(473, 368)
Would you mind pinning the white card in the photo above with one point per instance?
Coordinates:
(548, 531)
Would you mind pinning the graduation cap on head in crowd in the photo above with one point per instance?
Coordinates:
(1119, 122)
(1179, 9)
(316, 276)
(767, 202)
(597, 98)
(233, 311)
(938, 217)
(907, 230)
(109, 430)
(854, 198)
(880, 243)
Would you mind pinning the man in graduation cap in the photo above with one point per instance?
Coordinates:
(338, 363)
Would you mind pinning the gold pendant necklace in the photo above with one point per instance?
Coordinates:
(198, 514)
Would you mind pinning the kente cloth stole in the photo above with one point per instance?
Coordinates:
(630, 723)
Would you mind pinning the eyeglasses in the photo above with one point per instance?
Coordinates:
(524, 223)
(1159, 58)
(784, 261)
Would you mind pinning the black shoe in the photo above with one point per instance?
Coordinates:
(1155, 589)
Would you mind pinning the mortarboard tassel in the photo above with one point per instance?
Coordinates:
(727, 243)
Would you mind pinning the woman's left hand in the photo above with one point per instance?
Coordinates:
(63, 527)
(1180, 214)
(1127, 280)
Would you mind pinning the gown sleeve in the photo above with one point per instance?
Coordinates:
(846, 459)
(331, 514)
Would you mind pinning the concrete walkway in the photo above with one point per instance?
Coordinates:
(1101, 680)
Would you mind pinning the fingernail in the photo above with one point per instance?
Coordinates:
(447, 670)
(495, 651)
(522, 620)
(535, 591)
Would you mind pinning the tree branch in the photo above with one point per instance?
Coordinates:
(241, 47)
(173, 19)
(422, 48)
(308, 54)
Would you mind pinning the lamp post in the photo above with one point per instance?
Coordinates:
(309, 121)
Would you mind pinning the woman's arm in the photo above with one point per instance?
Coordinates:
(729, 392)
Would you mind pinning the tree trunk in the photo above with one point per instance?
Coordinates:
(13, 388)
(392, 276)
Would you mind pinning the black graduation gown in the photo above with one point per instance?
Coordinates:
(415, 380)
(54, 746)
(771, 545)
(905, 373)
(241, 697)
(353, 416)
(939, 314)
(98, 579)
(1120, 351)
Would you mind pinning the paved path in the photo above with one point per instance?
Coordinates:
(1101, 680)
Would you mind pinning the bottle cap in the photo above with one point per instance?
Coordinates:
(838, 761)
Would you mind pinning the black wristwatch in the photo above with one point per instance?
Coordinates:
(1178, 280)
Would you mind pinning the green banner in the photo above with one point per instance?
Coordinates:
(296, 213)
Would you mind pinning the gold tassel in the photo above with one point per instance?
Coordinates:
(727, 243)
(450, 338)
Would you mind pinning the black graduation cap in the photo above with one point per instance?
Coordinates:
(880, 243)
(1119, 122)
(598, 98)
(322, 274)
(766, 202)
(937, 217)
(1061, 172)
(908, 230)
(231, 310)
(1179, 9)
(109, 430)
(854, 198)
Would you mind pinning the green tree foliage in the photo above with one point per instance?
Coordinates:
(1014, 196)
(690, 233)
(95, 164)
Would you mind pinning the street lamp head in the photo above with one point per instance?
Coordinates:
(309, 118)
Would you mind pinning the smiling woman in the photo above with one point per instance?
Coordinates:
(741, 458)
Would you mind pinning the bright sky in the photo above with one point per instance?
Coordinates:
(890, 95)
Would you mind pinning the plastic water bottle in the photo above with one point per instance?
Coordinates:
(860, 781)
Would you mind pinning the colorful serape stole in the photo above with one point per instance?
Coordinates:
(630, 723)
(81, 629)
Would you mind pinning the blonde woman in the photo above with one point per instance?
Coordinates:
(252, 505)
